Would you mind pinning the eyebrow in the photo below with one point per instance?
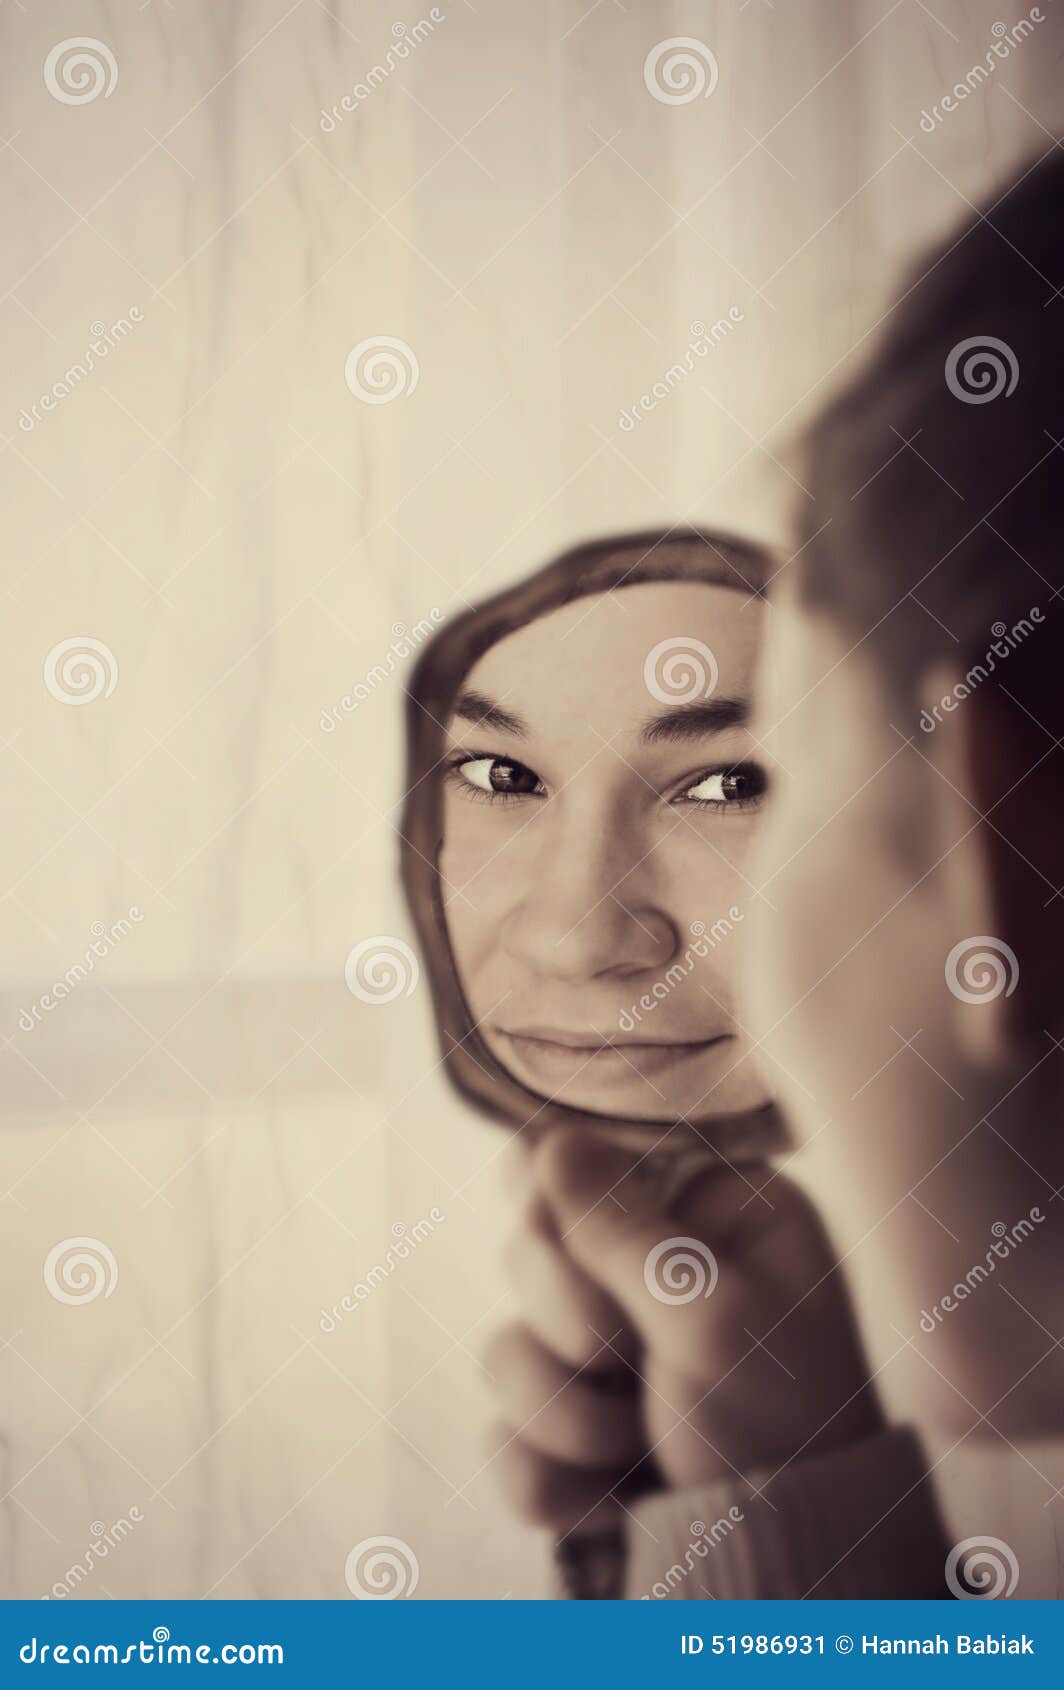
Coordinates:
(477, 707)
(678, 726)
(687, 722)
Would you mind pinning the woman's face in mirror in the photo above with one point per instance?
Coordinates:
(601, 791)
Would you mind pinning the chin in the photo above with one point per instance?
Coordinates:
(712, 1092)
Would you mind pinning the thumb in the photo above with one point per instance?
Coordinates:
(667, 1268)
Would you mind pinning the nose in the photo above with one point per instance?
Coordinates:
(591, 905)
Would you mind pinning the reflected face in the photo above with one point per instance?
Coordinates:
(599, 805)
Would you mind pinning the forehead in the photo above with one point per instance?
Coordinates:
(623, 655)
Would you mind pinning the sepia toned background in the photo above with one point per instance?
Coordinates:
(237, 530)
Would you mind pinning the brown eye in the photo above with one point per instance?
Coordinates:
(740, 785)
(512, 777)
(727, 788)
(499, 776)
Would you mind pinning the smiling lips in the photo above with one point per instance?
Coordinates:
(556, 1057)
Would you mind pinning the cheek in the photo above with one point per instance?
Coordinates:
(473, 923)
(473, 864)
(488, 855)
(704, 867)
(705, 886)
(484, 880)
(474, 939)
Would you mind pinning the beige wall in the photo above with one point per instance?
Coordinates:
(244, 535)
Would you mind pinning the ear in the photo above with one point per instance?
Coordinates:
(1001, 788)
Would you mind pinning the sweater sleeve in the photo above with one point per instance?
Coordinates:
(860, 1521)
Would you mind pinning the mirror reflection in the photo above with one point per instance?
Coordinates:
(595, 792)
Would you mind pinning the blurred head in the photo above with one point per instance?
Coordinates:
(904, 969)
(594, 791)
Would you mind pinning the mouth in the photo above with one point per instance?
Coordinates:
(556, 1057)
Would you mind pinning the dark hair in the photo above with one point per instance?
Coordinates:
(600, 566)
(936, 475)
